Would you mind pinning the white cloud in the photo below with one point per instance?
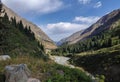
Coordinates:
(65, 27)
(98, 4)
(60, 30)
(68, 27)
(84, 1)
(87, 20)
(36, 6)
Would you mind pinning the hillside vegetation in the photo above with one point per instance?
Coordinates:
(105, 39)
(38, 32)
(18, 40)
(46, 71)
(105, 61)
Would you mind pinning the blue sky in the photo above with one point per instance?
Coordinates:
(61, 18)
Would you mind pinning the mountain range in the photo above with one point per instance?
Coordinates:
(95, 49)
(104, 23)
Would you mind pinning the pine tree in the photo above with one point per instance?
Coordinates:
(20, 26)
(5, 18)
(13, 21)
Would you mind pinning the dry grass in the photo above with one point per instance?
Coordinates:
(46, 70)
(37, 66)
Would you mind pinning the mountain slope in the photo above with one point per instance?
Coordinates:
(104, 61)
(71, 38)
(18, 40)
(106, 39)
(104, 23)
(39, 34)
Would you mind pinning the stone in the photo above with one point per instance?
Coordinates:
(17, 73)
(4, 57)
(33, 80)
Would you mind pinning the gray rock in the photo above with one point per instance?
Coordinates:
(4, 57)
(17, 73)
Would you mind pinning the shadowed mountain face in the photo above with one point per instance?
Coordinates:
(39, 34)
(105, 23)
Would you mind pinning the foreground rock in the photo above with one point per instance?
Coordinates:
(4, 57)
(18, 73)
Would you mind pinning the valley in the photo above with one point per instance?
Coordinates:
(89, 55)
(20, 43)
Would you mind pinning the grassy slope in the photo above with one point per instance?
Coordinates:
(46, 71)
(17, 43)
(105, 61)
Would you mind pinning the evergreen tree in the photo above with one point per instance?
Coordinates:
(5, 18)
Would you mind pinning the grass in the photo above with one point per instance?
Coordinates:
(104, 61)
(100, 51)
(46, 71)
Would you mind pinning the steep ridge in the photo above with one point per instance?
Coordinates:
(39, 34)
(104, 23)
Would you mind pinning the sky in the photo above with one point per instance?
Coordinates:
(61, 18)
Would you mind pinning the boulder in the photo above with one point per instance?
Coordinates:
(4, 57)
(17, 73)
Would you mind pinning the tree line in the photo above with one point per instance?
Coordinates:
(7, 25)
(105, 39)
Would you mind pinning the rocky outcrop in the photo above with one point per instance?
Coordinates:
(39, 34)
(4, 57)
(18, 73)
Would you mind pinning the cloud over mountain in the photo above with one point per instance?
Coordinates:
(65, 27)
(86, 20)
